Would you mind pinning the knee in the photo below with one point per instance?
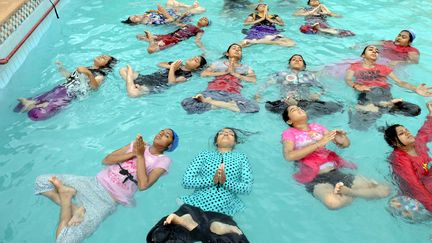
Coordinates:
(383, 191)
(122, 71)
(332, 202)
(151, 50)
(38, 114)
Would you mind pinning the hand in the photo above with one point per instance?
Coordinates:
(314, 96)
(176, 65)
(423, 90)
(231, 66)
(329, 136)
(139, 146)
(429, 106)
(361, 87)
(341, 139)
(219, 176)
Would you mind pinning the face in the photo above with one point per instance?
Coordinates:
(164, 138)
(402, 39)
(193, 63)
(225, 138)
(404, 136)
(202, 22)
(371, 53)
(235, 51)
(101, 61)
(296, 114)
(136, 18)
(261, 7)
(314, 3)
(297, 63)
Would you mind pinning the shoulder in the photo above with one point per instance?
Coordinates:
(288, 134)
(317, 127)
(356, 66)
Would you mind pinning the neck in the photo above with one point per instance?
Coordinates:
(295, 70)
(302, 126)
(156, 150)
(410, 148)
(185, 68)
(368, 62)
(233, 59)
(224, 150)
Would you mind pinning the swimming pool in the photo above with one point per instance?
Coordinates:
(279, 209)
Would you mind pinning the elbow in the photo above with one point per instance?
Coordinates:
(143, 186)
(289, 157)
(106, 161)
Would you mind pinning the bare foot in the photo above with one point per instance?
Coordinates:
(42, 105)
(368, 108)
(77, 217)
(27, 104)
(338, 187)
(185, 221)
(245, 43)
(221, 228)
(394, 203)
(62, 189)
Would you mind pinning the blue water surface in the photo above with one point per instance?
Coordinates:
(279, 209)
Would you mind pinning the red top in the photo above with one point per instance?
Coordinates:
(371, 77)
(396, 53)
(227, 83)
(415, 180)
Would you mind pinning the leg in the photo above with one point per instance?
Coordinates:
(133, 90)
(163, 11)
(329, 196)
(365, 188)
(405, 109)
(65, 194)
(221, 228)
(185, 220)
(231, 105)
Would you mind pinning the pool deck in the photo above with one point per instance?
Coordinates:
(8, 8)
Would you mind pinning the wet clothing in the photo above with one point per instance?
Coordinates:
(309, 166)
(207, 195)
(76, 86)
(300, 86)
(91, 195)
(396, 53)
(412, 172)
(225, 88)
(158, 81)
(332, 177)
(371, 77)
(184, 33)
(408, 209)
(261, 29)
(121, 188)
(320, 19)
(155, 18)
(161, 233)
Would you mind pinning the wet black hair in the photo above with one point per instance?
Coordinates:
(128, 21)
(391, 137)
(285, 116)
(304, 62)
(229, 47)
(108, 66)
(203, 62)
(411, 37)
(308, 2)
(364, 50)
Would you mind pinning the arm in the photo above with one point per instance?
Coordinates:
(172, 78)
(295, 154)
(250, 21)
(356, 86)
(413, 57)
(94, 82)
(424, 134)
(209, 72)
(193, 178)
(421, 89)
(62, 70)
(249, 77)
(408, 178)
(199, 43)
(242, 184)
(118, 156)
(277, 21)
(304, 12)
(164, 65)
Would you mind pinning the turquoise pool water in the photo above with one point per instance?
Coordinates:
(279, 209)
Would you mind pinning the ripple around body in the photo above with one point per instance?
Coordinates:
(279, 209)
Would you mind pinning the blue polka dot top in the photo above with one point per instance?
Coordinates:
(199, 176)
